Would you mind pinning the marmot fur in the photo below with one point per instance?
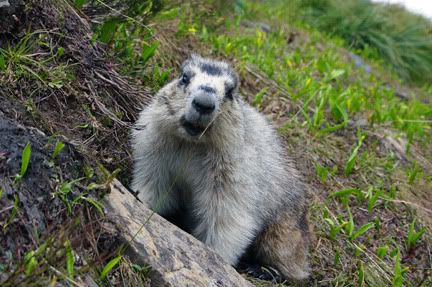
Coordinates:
(211, 163)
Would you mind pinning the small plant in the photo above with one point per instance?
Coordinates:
(362, 230)
(322, 172)
(57, 149)
(398, 278)
(344, 194)
(414, 236)
(2, 63)
(25, 160)
(30, 262)
(109, 266)
(106, 178)
(373, 196)
(65, 194)
(382, 251)
(148, 51)
(258, 98)
(14, 211)
(414, 172)
(334, 228)
(80, 3)
(361, 274)
(69, 259)
(349, 165)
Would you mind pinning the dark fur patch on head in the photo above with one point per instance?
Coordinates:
(211, 69)
(229, 91)
(207, 89)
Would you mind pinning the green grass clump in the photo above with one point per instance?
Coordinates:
(44, 66)
(402, 39)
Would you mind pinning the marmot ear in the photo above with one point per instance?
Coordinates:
(188, 61)
(185, 63)
(193, 57)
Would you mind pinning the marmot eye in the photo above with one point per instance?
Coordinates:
(185, 79)
(229, 93)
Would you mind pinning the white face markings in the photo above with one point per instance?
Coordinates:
(207, 89)
(203, 79)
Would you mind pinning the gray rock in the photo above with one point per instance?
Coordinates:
(176, 257)
(360, 63)
(4, 3)
(262, 26)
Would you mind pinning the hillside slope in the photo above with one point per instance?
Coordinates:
(361, 137)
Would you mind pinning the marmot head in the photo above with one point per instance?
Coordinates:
(203, 92)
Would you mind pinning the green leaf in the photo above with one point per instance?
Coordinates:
(31, 265)
(106, 32)
(398, 278)
(361, 275)
(96, 204)
(322, 172)
(350, 226)
(351, 161)
(340, 113)
(414, 236)
(362, 230)
(148, 51)
(66, 187)
(2, 63)
(25, 159)
(80, 3)
(60, 51)
(88, 171)
(259, 97)
(14, 210)
(382, 251)
(345, 192)
(58, 148)
(336, 74)
(109, 266)
(69, 259)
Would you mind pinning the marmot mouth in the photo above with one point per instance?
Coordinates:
(192, 128)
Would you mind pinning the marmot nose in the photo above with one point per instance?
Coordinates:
(204, 104)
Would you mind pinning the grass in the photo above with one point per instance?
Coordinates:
(44, 65)
(401, 39)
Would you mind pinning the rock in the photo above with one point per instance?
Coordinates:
(360, 63)
(4, 4)
(262, 26)
(176, 257)
(394, 143)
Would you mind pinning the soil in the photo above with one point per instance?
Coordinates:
(38, 209)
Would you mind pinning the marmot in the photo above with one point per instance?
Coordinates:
(208, 161)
